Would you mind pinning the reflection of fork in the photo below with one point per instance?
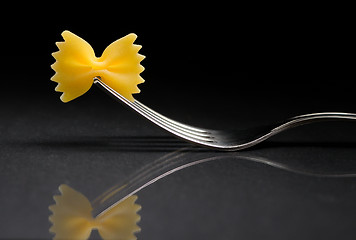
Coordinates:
(218, 139)
(188, 157)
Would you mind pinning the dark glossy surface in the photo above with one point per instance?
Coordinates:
(298, 185)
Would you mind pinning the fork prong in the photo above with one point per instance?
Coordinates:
(190, 136)
(165, 124)
(175, 129)
(182, 126)
(171, 121)
(179, 126)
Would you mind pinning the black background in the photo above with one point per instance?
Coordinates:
(266, 58)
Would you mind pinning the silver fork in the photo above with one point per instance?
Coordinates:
(219, 139)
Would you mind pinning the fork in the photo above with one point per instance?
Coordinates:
(220, 139)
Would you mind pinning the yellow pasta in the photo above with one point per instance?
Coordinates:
(76, 65)
(72, 219)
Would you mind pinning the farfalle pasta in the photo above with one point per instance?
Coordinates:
(72, 218)
(76, 65)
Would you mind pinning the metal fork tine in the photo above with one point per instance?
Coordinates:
(172, 123)
(182, 125)
(188, 135)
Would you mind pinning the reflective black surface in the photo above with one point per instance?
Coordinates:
(298, 185)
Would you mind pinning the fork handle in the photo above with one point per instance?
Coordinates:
(313, 117)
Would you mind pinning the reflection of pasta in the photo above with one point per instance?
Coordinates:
(72, 217)
(76, 65)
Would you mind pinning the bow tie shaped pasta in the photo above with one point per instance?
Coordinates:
(76, 65)
(72, 219)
